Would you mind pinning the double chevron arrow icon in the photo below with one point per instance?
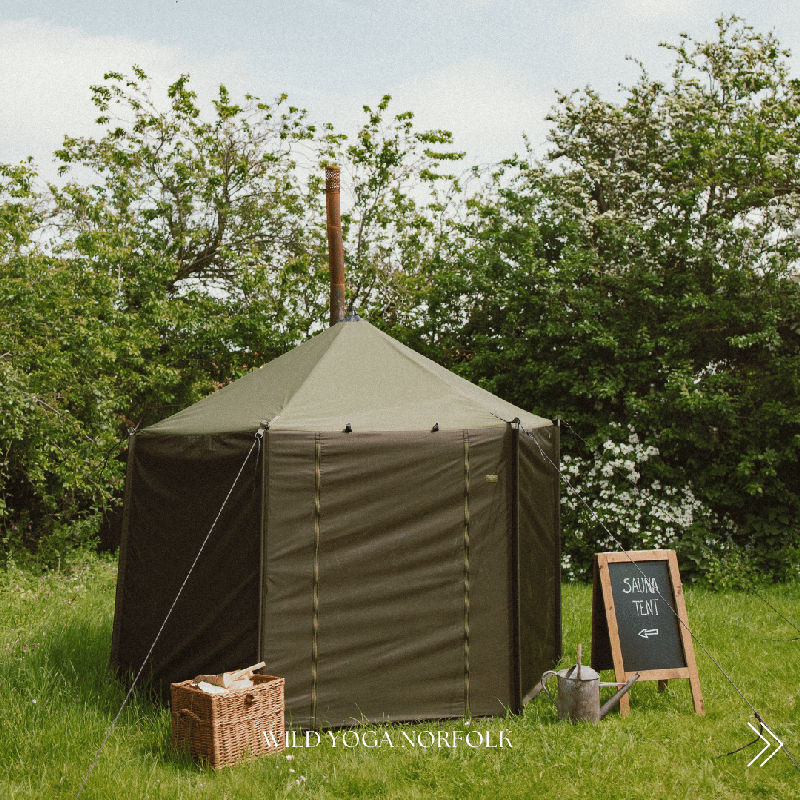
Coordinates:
(767, 745)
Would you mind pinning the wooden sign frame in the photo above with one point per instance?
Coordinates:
(602, 561)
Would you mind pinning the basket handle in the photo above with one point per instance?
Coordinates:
(185, 712)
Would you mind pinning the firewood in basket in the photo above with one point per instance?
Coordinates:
(236, 679)
(247, 673)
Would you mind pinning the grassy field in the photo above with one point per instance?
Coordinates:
(57, 700)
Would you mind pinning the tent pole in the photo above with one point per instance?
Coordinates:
(264, 534)
(557, 506)
(124, 544)
(516, 633)
(466, 576)
(335, 245)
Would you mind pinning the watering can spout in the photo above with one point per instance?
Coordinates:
(615, 699)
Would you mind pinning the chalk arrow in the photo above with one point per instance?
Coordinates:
(767, 745)
(647, 632)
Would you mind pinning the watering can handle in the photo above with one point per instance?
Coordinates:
(546, 677)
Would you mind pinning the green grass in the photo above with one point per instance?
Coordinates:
(57, 700)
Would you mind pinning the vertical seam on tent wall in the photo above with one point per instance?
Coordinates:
(315, 622)
(466, 574)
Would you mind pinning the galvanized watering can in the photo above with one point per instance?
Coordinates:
(579, 692)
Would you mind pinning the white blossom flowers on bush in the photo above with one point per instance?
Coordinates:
(605, 502)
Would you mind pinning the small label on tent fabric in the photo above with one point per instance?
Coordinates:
(491, 479)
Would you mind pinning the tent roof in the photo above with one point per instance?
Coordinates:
(351, 372)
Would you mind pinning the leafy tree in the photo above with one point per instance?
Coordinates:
(204, 225)
(641, 273)
(398, 188)
(217, 238)
(184, 249)
(58, 431)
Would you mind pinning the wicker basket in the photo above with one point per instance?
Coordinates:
(221, 729)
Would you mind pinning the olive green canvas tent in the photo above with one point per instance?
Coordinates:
(391, 547)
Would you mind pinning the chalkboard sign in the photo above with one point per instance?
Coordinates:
(639, 620)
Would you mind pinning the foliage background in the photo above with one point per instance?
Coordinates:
(639, 281)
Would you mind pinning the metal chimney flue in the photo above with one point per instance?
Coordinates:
(335, 246)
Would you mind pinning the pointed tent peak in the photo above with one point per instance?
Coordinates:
(348, 374)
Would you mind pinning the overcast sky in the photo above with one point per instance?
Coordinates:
(485, 69)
